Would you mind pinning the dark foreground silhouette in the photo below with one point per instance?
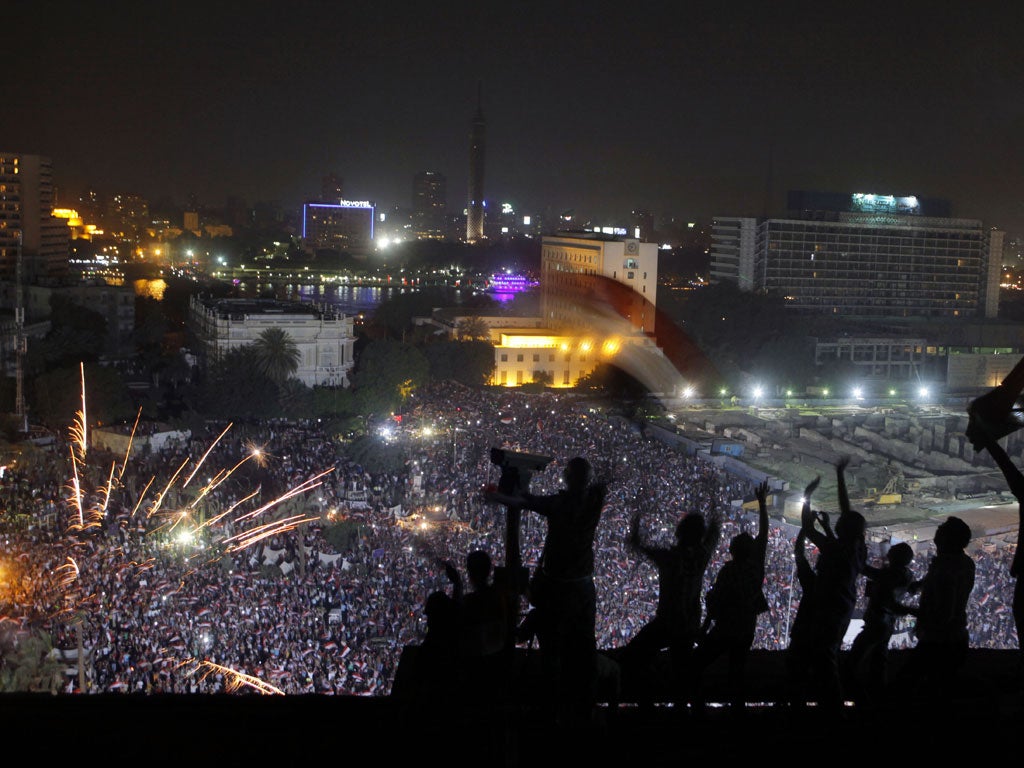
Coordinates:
(278, 731)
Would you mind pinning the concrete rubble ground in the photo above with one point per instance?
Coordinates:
(910, 467)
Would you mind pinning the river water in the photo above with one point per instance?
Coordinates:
(348, 299)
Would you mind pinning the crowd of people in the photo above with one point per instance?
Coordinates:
(152, 565)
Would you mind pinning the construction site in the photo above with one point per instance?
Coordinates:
(910, 466)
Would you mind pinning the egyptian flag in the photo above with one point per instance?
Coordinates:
(998, 412)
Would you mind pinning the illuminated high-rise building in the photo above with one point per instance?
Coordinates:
(429, 203)
(475, 201)
(26, 206)
(864, 255)
(346, 226)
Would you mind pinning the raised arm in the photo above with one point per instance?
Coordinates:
(1014, 478)
(804, 572)
(762, 514)
(1015, 481)
(844, 497)
(807, 518)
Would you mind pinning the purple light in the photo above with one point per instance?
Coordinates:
(501, 283)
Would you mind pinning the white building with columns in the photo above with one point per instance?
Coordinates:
(323, 336)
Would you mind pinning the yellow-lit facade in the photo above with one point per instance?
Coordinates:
(521, 357)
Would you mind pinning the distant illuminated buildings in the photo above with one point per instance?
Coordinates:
(475, 201)
(346, 226)
(864, 255)
(429, 204)
(26, 210)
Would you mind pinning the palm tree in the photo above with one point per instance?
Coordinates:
(472, 328)
(277, 355)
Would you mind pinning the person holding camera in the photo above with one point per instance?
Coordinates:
(562, 590)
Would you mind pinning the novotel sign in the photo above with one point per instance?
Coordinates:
(344, 204)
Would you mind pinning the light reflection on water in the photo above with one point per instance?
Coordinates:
(152, 289)
(347, 299)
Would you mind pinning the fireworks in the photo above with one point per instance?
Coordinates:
(234, 680)
(227, 531)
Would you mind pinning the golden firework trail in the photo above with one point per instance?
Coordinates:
(110, 483)
(233, 679)
(131, 437)
(307, 485)
(260, 532)
(217, 518)
(203, 458)
(67, 574)
(143, 495)
(78, 430)
(76, 490)
(160, 498)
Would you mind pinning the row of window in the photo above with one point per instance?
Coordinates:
(536, 357)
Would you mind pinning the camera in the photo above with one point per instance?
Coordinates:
(516, 468)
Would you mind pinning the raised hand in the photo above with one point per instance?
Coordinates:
(761, 492)
(812, 487)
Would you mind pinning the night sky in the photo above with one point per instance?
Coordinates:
(676, 108)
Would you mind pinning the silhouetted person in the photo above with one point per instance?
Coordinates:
(941, 612)
(734, 603)
(485, 650)
(431, 673)
(841, 558)
(798, 650)
(868, 660)
(562, 588)
(1015, 481)
(485, 616)
(677, 618)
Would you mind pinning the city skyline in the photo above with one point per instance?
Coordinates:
(716, 113)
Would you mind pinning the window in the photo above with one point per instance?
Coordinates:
(536, 357)
(504, 358)
(565, 377)
(519, 358)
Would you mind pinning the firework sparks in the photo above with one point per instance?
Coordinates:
(307, 485)
(107, 488)
(76, 491)
(234, 680)
(203, 458)
(131, 437)
(78, 431)
(160, 499)
(67, 574)
(142, 496)
(248, 538)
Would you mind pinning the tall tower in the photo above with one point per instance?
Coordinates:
(475, 203)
